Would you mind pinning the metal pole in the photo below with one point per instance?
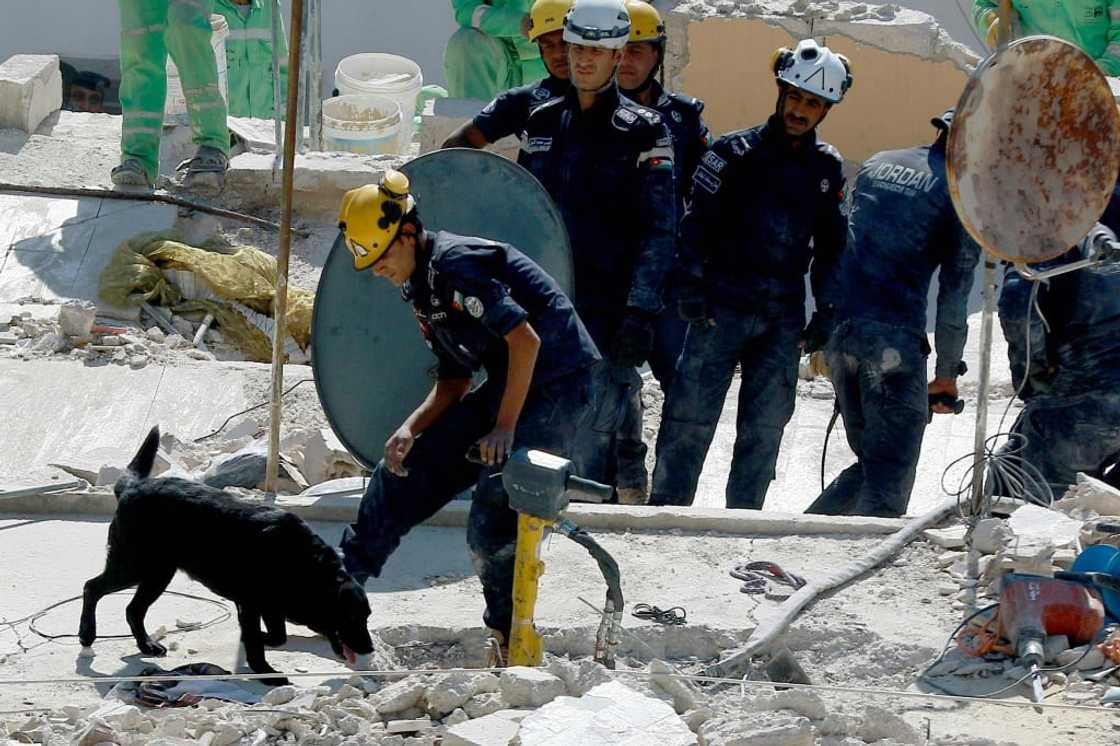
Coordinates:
(280, 302)
(980, 455)
(315, 89)
(305, 53)
(276, 83)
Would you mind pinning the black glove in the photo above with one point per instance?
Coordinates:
(815, 335)
(692, 305)
(633, 340)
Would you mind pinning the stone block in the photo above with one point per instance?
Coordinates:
(684, 696)
(761, 729)
(401, 696)
(30, 90)
(522, 686)
(409, 726)
(76, 317)
(609, 714)
(497, 729)
(879, 724)
(449, 693)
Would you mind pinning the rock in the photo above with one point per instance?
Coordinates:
(695, 718)
(684, 696)
(1055, 644)
(579, 676)
(879, 724)
(1084, 658)
(94, 733)
(761, 729)
(156, 335)
(408, 726)
(30, 90)
(496, 729)
(482, 705)
(136, 362)
(610, 713)
(522, 686)
(119, 716)
(176, 341)
(76, 317)
(49, 343)
(449, 693)
(485, 683)
(280, 695)
(991, 535)
(796, 700)
(400, 696)
(199, 354)
(183, 327)
(325, 458)
(947, 589)
(1090, 494)
(458, 716)
(947, 538)
(1036, 525)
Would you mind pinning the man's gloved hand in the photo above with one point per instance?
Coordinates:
(692, 305)
(815, 336)
(633, 340)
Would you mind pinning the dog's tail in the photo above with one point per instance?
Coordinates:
(141, 465)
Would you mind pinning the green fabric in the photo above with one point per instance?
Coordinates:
(1093, 25)
(481, 66)
(249, 58)
(489, 54)
(150, 30)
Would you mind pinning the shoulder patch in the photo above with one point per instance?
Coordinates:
(829, 150)
(714, 162)
(739, 145)
(540, 93)
(535, 144)
(474, 306)
(489, 108)
(706, 180)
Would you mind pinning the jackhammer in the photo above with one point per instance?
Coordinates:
(540, 486)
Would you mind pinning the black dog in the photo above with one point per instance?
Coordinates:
(267, 561)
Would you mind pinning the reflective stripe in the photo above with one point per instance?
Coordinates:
(219, 104)
(479, 12)
(250, 34)
(660, 153)
(144, 115)
(1112, 50)
(156, 131)
(203, 5)
(155, 28)
(204, 90)
(1114, 14)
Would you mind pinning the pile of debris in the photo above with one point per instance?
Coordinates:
(310, 459)
(565, 701)
(1032, 542)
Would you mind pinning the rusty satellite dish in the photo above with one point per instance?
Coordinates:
(1034, 149)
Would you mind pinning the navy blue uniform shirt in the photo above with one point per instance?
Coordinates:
(508, 113)
(469, 293)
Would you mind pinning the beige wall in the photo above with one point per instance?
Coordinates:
(889, 106)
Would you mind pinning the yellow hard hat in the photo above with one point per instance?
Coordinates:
(645, 22)
(371, 215)
(547, 16)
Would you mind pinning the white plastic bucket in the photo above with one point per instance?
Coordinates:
(175, 108)
(386, 75)
(362, 124)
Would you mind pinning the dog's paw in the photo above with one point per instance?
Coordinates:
(153, 648)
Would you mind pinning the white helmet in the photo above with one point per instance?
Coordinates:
(598, 23)
(814, 69)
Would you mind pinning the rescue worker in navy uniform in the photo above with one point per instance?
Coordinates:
(607, 162)
(642, 62)
(1071, 423)
(480, 304)
(903, 228)
(509, 111)
(759, 197)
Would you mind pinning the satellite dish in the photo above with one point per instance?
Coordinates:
(370, 363)
(1034, 149)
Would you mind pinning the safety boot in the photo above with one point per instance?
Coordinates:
(130, 174)
(206, 172)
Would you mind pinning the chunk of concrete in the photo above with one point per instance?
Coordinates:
(522, 686)
(610, 713)
(991, 535)
(401, 696)
(760, 729)
(416, 725)
(684, 695)
(1092, 495)
(481, 705)
(795, 700)
(76, 317)
(30, 90)
(496, 729)
(579, 676)
(449, 693)
(879, 724)
(1035, 525)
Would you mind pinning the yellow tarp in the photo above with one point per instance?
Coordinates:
(247, 277)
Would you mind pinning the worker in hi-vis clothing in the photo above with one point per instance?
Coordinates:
(249, 57)
(491, 51)
(150, 30)
(509, 111)
(480, 305)
(1093, 25)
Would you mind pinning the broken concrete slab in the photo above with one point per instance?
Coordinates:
(1092, 495)
(759, 729)
(1037, 526)
(76, 317)
(611, 713)
(522, 686)
(499, 728)
(30, 90)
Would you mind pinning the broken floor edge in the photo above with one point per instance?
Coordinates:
(332, 509)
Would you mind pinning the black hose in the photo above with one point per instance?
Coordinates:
(607, 564)
(827, 435)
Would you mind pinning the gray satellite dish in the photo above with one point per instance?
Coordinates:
(1034, 149)
(371, 365)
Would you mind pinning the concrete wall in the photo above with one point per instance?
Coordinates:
(905, 72)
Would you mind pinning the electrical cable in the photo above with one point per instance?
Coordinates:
(677, 615)
(253, 408)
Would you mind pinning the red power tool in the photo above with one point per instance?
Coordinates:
(1032, 608)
